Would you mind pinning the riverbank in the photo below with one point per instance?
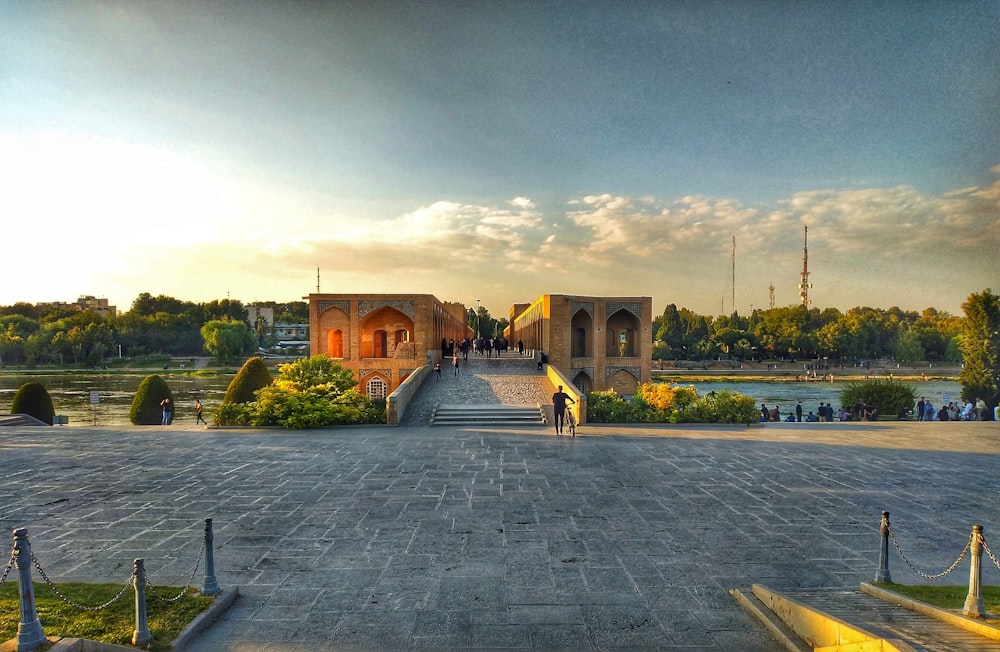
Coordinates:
(781, 372)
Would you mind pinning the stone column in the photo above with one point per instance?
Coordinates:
(29, 630)
(141, 636)
(974, 606)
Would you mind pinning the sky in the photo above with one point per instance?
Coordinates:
(497, 151)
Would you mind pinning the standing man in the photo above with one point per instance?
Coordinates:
(559, 407)
(798, 412)
(197, 413)
(165, 404)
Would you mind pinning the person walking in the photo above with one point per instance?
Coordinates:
(559, 408)
(197, 413)
(437, 371)
(454, 363)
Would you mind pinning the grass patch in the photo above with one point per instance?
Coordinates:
(948, 597)
(113, 624)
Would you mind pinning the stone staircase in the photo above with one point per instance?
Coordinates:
(870, 619)
(493, 414)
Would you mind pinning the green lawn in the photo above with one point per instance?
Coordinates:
(948, 597)
(114, 624)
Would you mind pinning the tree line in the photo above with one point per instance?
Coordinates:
(161, 325)
(797, 332)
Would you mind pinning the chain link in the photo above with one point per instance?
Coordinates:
(71, 602)
(187, 585)
(6, 571)
(989, 552)
(958, 561)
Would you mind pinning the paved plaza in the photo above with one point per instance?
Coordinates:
(376, 538)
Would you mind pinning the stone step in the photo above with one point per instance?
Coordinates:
(487, 414)
(837, 619)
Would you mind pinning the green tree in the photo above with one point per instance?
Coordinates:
(252, 376)
(33, 399)
(908, 348)
(228, 340)
(980, 375)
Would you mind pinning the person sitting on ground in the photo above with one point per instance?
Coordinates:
(811, 418)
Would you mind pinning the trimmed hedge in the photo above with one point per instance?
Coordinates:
(252, 376)
(146, 409)
(34, 400)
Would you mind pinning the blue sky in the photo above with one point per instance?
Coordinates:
(501, 150)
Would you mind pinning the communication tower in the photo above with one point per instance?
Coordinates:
(804, 284)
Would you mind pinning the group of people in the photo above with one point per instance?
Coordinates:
(824, 412)
(168, 412)
(481, 345)
(971, 411)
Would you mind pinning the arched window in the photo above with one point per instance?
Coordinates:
(335, 343)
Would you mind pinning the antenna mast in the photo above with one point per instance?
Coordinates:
(317, 280)
(804, 284)
(770, 293)
(734, 274)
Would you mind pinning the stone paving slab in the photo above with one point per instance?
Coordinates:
(382, 538)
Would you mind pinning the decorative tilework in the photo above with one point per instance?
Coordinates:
(405, 306)
(634, 307)
(610, 371)
(322, 306)
(586, 306)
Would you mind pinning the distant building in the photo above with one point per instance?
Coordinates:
(266, 315)
(86, 303)
(599, 343)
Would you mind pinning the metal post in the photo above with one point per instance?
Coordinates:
(211, 585)
(974, 606)
(29, 630)
(883, 553)
(141, 635)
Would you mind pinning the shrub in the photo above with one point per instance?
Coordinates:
(252, 376)
(720, 407)
(889, 397)
(665, 403)
(146, 409)
(606, 407)
(308, 393)
(33, 399)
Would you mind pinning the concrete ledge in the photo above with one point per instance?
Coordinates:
(944, 615)
(222, 602)
(788, 640)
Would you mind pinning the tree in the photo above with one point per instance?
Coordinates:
(980, 375)
(252, 376)
(33, 399)
(908, 348)
(228, 340)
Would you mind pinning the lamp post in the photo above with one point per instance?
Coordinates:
(478, 306)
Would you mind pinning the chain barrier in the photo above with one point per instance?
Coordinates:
(128, 583)
(989, 552)
(6, 571)
(63, 596)
(954, 565)
(187, 585)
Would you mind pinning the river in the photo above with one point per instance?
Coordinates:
(71, 395)
(789, 392)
